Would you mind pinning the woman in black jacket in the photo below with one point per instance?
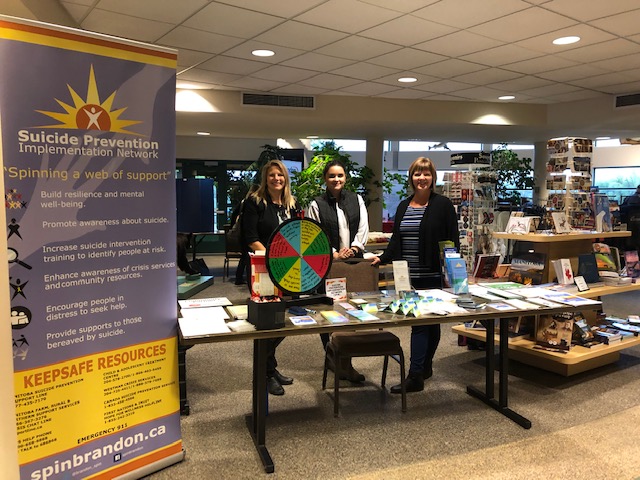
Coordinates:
(421, 222)
(266, 208)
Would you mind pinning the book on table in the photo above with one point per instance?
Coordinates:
(588, 268)
(632, 263)
(486, 265)
(527, 268)
(563, 270)
(334, 317)
(555, 331)
(457, 274)
(605, 263)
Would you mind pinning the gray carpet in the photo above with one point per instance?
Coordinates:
(584, 426)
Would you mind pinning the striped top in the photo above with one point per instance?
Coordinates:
(410, 232)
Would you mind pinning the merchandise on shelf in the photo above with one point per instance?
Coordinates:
(569, 179)
(473, 195)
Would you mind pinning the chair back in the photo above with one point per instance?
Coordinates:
(232, 245)
(360, 274)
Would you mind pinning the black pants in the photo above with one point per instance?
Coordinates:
(424, 338)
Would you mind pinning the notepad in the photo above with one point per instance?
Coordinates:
(334, 317)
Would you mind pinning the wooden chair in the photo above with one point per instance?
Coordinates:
(232, 251)
(361, 277)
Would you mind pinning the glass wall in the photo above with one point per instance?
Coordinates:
(616, 182)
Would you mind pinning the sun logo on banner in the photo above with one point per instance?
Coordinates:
(90, 113)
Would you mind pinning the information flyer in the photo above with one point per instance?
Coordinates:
(88, 150)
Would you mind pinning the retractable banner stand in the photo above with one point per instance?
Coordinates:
(88, 152)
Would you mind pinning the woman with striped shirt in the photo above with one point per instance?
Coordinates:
(421, 221)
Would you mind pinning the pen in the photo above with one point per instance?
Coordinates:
(310, 311)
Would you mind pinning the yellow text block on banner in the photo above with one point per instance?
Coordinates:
(62, 406)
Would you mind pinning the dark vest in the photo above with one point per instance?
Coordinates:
(329, 217)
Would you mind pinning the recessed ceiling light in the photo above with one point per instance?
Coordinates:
(407, 79)
(603, 138)
(263, 53)
(203, 133)
(566, 40)
(312, 136)
(506, 97)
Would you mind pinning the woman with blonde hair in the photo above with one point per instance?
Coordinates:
(266, 208)
(421, 222)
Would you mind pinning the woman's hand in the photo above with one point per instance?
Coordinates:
(345, 253)
(375, 260)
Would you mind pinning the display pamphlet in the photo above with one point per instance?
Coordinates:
(336, 288)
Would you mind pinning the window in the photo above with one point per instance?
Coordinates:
(616, 182)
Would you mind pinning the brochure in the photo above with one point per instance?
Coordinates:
(299, 320)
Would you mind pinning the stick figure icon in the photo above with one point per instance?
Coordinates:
(18, 288)
(14, 229)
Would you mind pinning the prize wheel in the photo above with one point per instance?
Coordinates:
(298, 256)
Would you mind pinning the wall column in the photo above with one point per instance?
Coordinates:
(540, 158)
(373, 160)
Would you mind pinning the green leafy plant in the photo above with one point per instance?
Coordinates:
(309, 183)
(513, 174)
(392, 183)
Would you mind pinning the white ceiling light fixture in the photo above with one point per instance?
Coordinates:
(566, 40)
(263, 53)
(507, 97)
(204, 134)
(312, 137)
(407, 79)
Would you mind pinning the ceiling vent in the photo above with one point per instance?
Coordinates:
(282, 101)
(627, 100)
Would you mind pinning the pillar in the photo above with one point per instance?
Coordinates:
(540, 158)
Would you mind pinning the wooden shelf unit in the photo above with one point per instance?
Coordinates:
(554, 246)
(578, 359)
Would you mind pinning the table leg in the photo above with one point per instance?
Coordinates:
(257, 420)
(488, 396)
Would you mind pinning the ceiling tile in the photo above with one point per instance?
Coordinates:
(572, 73)
(621, 24)
(521, 83)
(480, 93)
(205, 76)
(540, 64)
(502, 55)
(281, 8)
(406, 59)
(226, 64)
(406, 93)
(602, 51)
(619, 63)
(466, 13)
(586, 11)
(187, 58)
(576, 96)
(450, 68)
(458, 43)
(448, 98)
(279, 73)
(77, 12)
(227, 20)
(124, 26)
(404, 6)
(308, 37)
(168, 11)
(183, 37)
(524, 24)
(364, 71)
(443, 86)
(393, 79)
(339, 15)
(407, 30)
(256, 84)
(315, 61)
(357, 48)
(244, 51)
(490, 75)
(329, 81)
(544, 43)
(623, 88)
(370, 88)
(298, 89)
(549, 90)
(600, 81)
